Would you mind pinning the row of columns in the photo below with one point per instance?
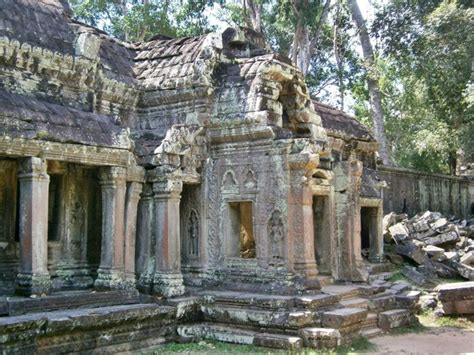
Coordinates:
(119, 220)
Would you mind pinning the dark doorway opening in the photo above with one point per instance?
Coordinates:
(322, 247)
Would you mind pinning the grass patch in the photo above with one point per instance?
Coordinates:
(397, 276)
(211, 347)
(428, 319)
(358, 345)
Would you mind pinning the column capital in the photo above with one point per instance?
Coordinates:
(135, 190)
(168, 188)
(112, 175)
(32, 167)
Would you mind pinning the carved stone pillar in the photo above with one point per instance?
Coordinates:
(168, 279)
(111, 270)
(133, 196)
(300, 217)
(146, 241)
(33, 277)
(376, 235)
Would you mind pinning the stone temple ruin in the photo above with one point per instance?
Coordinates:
(190, 183)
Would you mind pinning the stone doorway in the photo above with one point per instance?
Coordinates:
(368, 230)
(322, 235)
(241, 242)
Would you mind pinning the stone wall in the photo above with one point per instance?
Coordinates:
(411, 191)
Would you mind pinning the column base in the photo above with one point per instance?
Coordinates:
(168, 284)
(33, 284)
(130, 282)
(109, 280)
(376, 258)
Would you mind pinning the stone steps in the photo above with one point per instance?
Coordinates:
(113, 329)
(370, 321)
(239, 335)
(245, 299)
(282, 319)
(342, 291)
(355, 303)
(12, 306)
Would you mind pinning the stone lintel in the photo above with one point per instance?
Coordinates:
(73, 153)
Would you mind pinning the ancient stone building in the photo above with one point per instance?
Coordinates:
(192, 161)
(173, 166)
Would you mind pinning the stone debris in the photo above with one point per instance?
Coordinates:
(456, 298)
(439, 246)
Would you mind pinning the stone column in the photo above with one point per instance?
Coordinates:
(111, 270)
(376, 235)
(33, 277)
(300, 217)
(168, 279)
(133, 196)
(145, 241)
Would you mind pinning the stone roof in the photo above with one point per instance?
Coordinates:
(167, 58)
(339, 123)
(26, 117)
(42, 23)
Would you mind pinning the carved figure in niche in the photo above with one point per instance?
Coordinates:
(193, 234)
(77, 230)
(229, 181)
(250, 180)
(276, 232)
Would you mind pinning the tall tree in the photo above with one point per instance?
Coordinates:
(375, 96)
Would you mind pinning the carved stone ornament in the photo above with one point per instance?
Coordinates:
(276, 234)
(193, 233)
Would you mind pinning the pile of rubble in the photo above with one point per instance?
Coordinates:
(436, 246)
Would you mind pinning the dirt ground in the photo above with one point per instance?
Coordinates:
(436, 340)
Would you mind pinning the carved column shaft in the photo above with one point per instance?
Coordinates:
(33, 277)
(376, 235)
(111, 270)
(145, 241)
(168, 279)
(133, 196)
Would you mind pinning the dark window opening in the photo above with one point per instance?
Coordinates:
(54, 207)
(321, 234)
(241, 241)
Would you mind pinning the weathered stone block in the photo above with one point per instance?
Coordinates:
(320, 338)
(448, 237)
(412, 251)
(394, 318)
(380, 304)
(457, 298)
(399, 232)
(278, 341)
(343, 317)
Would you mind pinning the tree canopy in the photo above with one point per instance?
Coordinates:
(420, 59)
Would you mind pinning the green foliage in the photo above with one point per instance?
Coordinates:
(138, 20)
(426, 77)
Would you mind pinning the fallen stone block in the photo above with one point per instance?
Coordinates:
(394, 318)
(466, 271)
(434, 251)
(408, 299)
(468, 258)
(421, 226)
(415, 276)
(443, 238)
(435, 268)
(320, 338)
(399, 232)
(343, 317)
(440, 224)
(412, 251)
(457, 298)
(278, 341)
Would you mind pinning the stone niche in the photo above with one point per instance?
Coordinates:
(74, 225)
(240, 238)
(9, 246)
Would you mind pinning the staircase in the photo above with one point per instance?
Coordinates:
(333, 317)
(84, 321)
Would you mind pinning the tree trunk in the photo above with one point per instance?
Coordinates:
(375, 97)
(338, 57)
(304, 42)
(254, 15)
